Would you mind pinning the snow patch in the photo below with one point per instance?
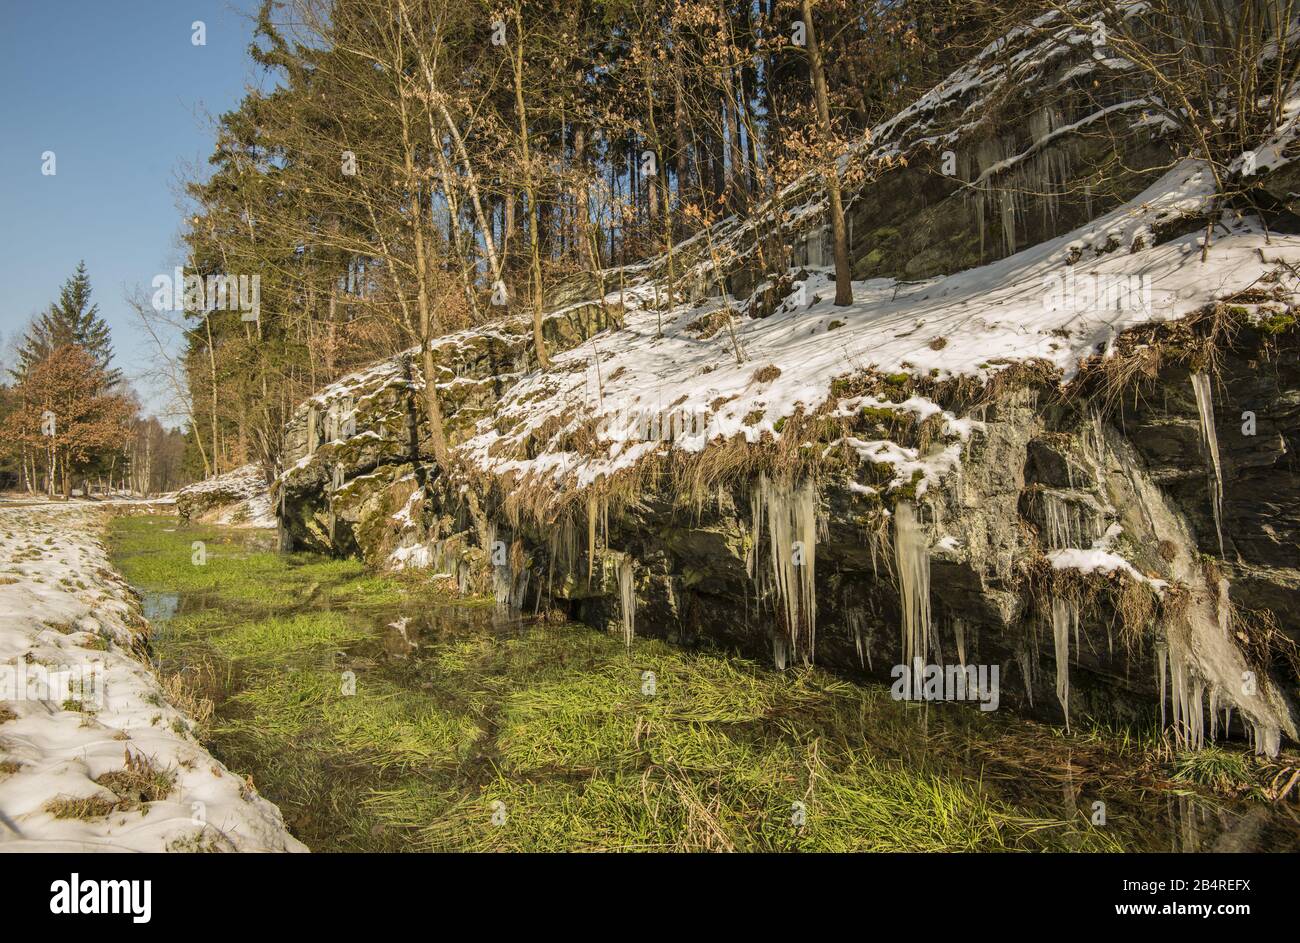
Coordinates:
(66, 613)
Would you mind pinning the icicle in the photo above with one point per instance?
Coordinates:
(1267, 740)
(756, 515)
(855, 618)
(1056, 512)
(1198, 712)
(1026, 674)
(1223, 607)
(592, 507)
(779, 651)
(1188, 699)
(500, 569)
(1095, 444)
(912, 562)
(311, 430)
(959, 630)
(509, 579)
(1069, 520)
(520, 591)
(792, 545)
(1162, 673)
(1065, 614)
(627, 593)
(569, 543)
(1201, 656)
(1205, 408)
(336, 480)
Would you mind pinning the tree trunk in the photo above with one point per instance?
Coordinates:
(437, 434)
(212, 362)
(843, 273)
(543, 361)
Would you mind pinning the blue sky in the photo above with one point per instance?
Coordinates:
(121, 95)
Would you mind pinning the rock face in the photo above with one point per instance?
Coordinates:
(1044, 478)
(238, 498)
(1121, 547)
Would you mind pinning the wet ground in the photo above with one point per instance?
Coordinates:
(384, 715)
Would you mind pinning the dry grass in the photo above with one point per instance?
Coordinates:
(188, 692)
(707, 325)
(1262, 640)
(90, 807)
(1134, 606)
(1140, 354)
(138, 782)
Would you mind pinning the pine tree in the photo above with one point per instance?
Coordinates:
(75, 320)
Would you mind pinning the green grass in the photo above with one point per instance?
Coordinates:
(547, 741)
(283, 638)
(716, 759)
(1224, 771)
(155, 554)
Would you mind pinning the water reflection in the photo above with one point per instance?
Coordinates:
(159, 607)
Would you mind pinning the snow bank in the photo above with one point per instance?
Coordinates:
(237, 498)
(1057, 303)
(81, 717)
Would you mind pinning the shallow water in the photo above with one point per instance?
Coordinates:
(402, 645)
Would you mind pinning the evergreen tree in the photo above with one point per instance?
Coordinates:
(74, 320)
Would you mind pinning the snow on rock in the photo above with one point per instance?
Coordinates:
(237, 498)
(1056, 303)
(83, 722)
(1097, 560)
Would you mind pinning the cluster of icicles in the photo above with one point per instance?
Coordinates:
(1210, 439)
(564, 549)
(509, 582)
(1180, 679)
(786, 515)
(340, 422)
(790, 514)
(912, 564)
(1010, 180)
